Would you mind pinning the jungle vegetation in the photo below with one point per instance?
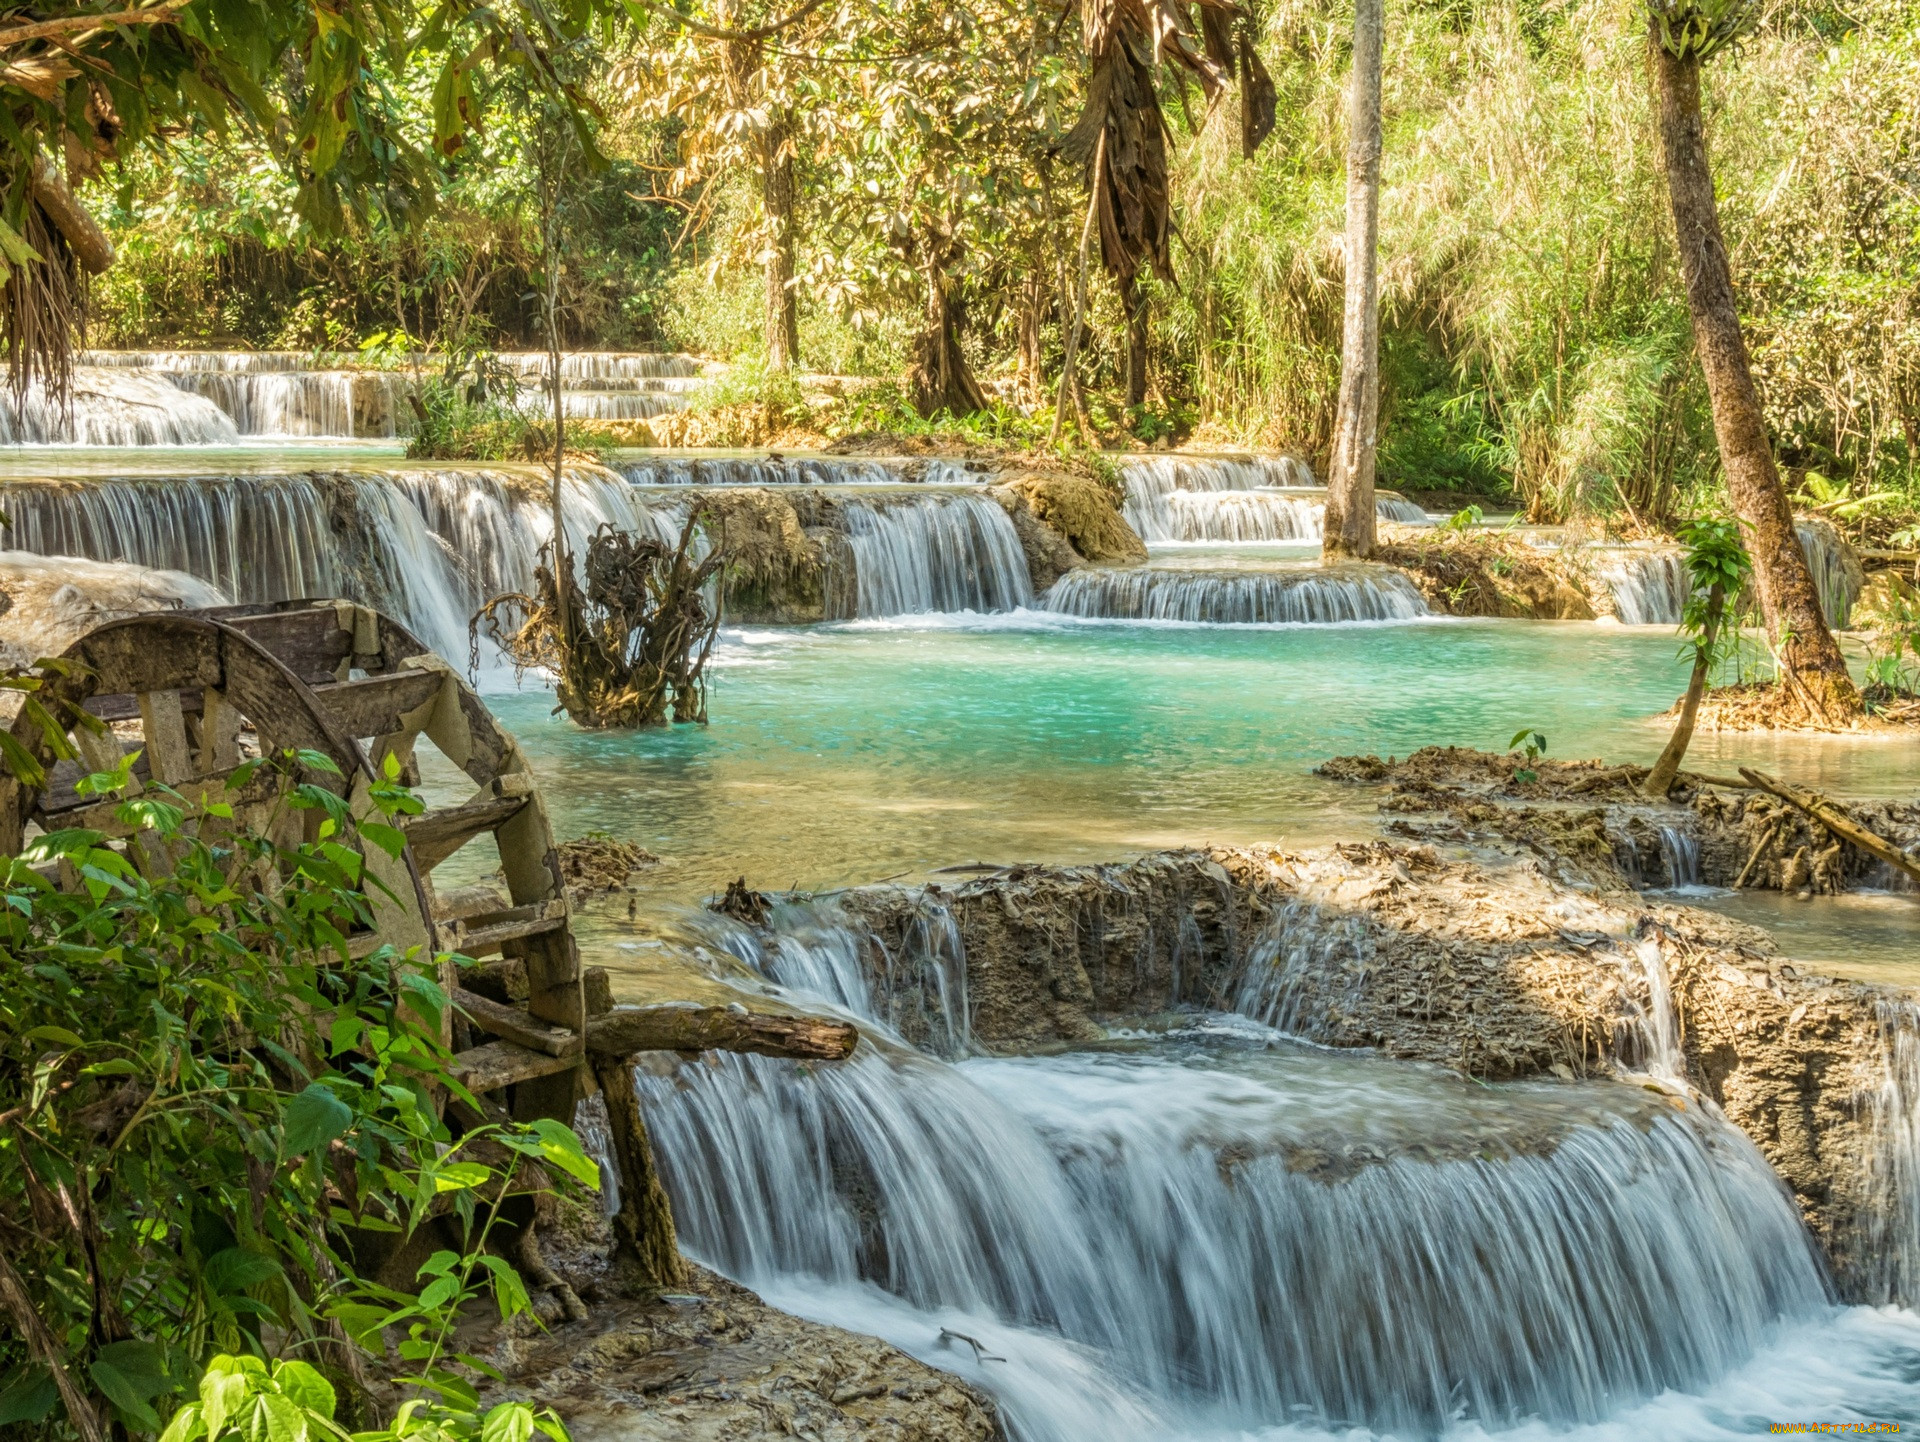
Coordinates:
(1534, 332)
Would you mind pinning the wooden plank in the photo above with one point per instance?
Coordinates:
(1836, 821)
(158, 651)
(166, 735)
(479, 935)
(378, 705)
(218, 733)
(513, 1024)
(310, 643)
(626, 1030)
(504, 1063)
(436, 835)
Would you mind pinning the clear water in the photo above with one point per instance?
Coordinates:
(843, 754)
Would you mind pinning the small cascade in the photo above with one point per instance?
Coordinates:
(1283, 981)
(1649, 588)
(336, 404)
(1648, 1040)
(424, 546)
(1680, 853)
(1185, 499)
(114, 408)
(1838, 576)
(1297, 597)
(671, 470)
(941, 551)
(1238, 1239)
(917, 991)
(1890, 1234)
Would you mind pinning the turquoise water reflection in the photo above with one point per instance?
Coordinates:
(848, 753)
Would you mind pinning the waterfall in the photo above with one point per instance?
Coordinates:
(339, 404)
(1891, 1231)
(1239, 1243)
(1300, 597)
(1651, 587)
(942, 551)
(1681, 855)
(424, 546)
(1232, 498)
(671, 470)
(113, 408)
(1247, 1234)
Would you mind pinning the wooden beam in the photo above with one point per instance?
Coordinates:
(513, 1024)
(1836, 821)
(377, 705)
(504, 1063)
(478, 935)
(436, 835)
(310, 642)
(624, 1031)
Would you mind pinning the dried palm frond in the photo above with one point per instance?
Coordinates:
(1126, 41)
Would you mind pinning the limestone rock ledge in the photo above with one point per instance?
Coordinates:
(716, 1364)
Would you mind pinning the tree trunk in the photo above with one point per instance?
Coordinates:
(1033, 314)
(1349, 530)
(777, 194)
(941, 379)
(1660, 780)
(1789, 603)
(1134, 302)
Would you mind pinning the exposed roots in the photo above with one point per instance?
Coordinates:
(1794, 705)
(632, 648)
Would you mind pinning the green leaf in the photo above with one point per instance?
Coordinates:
(186, 1426)
(460, 1176)
(20, 761)
(236, 1269)
(306, 1387)
(313, 1118)
(124, 1392)
(508, 1422)
(54, 1033)
(560, 1147)
(30, 1399)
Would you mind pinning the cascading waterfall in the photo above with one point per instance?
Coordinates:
(424, 546)
(1680, 854)
(1651, 587)
(114, 408)
(1247, 1234)
(1301, 597)
(1179, 499)
(669, 470)
(1891, 1230)
(335, 404)
(941, 551)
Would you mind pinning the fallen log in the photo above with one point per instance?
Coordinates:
(624, 1031)
(1836, 821)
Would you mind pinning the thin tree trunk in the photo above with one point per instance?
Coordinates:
(1134, 301)
(643, 1228)
(777, 194)
(1660, 780)
(1349, 530)
(1033, 308)
(551, 228)
(1068, 382)
(1789, 603)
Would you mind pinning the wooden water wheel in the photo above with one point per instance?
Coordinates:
(197, 691)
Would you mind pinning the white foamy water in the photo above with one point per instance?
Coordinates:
(1228, 1234)
(1297, 596)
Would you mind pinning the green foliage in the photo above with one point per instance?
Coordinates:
(207, 1097)
(1534, 744)
(1462, 520)
(1889, 611)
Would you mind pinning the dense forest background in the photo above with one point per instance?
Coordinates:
(1534, 336)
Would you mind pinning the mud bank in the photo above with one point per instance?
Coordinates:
(1501, 971)
(1588, 824)
(1483, 573)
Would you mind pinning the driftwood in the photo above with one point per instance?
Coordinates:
(622, 1033)
(1836, 821)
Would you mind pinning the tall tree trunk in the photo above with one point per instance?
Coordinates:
(1033, 314)
(1789, 603)
(551, 175)
(777, 194)
(1350, 527)
(1134, 301)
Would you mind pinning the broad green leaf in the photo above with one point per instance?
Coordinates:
(29, 1399)
(313, 1118)
(560, 1147)
(306, 1387)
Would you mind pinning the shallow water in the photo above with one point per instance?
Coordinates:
(1863, 935)
(844, 754)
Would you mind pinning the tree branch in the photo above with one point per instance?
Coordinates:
(162, 14)
(716, 32)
